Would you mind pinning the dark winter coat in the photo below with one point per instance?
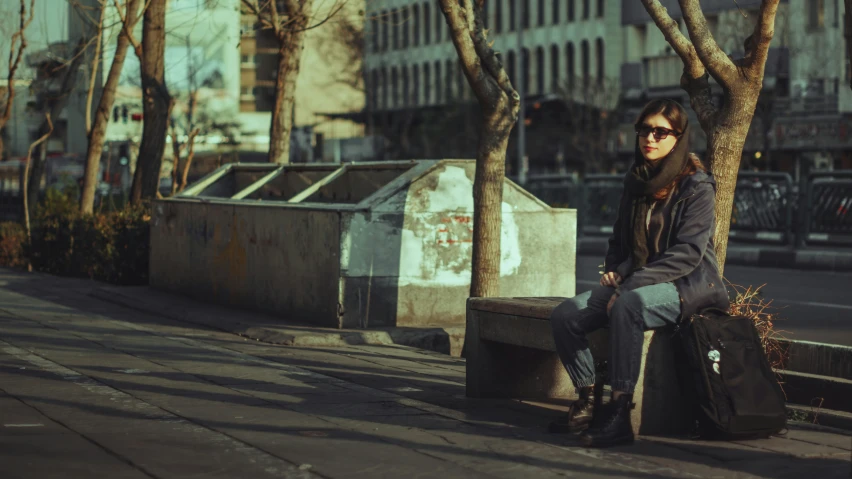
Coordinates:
(682, 247)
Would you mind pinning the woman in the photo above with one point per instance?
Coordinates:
(660, 266)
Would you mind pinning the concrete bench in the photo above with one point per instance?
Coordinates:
(510, 354)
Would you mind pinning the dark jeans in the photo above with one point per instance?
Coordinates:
(634, 312)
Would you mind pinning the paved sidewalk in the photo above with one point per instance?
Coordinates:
(92, 389)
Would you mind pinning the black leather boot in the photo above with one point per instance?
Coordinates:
(580, 414)
(613, 424)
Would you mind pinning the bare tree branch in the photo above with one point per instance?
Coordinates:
(757, 46)
(681, 45)
(25, 186)
(15, 58)
(93, 71)
(128, 29)
(714, 59)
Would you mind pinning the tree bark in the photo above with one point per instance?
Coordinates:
(500, 105)
(291, 42)
(155, 104)
(97, 135)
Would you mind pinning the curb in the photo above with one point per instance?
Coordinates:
(753, 255)
(819, 417)
(442, 340)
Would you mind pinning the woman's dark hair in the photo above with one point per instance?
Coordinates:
(676, 115)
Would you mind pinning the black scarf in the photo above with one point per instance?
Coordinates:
(645, 179)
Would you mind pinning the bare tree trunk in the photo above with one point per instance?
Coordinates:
(25, 186)
(500, 105)
(291, 43)
(156, 104)
(98, 132)
(15, 56)
(57, 104)
(724, 147)
(93, 71)
(488, 203)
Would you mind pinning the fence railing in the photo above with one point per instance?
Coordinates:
(768, 207)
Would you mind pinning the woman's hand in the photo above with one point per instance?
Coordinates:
(611, 279)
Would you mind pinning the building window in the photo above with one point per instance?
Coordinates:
(438, 97)
(247, 59)
(395, 27)
(539, 70)
(569, 66)
(601, 6)
(498, 16)
(513, 17)
(427, 84)
(556, 11)
(374, 89)
(406, 87)
(415, 85)
(405, 26)
(554, 67)
(540, 13)
(816, 13)
(385, 89)
(525, 15)
(570, 10)
(427, 24)
(439, 19)
(511, 67)
(448, 81)
(384, 20)
(584, 62)
(394, 87)
(416, 25)
(525, 71)
(585, 9)
(599, 59)
(460, 81)
(374, 33)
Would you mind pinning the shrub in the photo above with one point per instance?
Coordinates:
(110, 246)
(13, 237)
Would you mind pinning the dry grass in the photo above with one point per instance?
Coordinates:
(749, 302)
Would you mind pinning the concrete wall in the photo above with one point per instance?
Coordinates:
(266, 258)
(401, 261)
(413, 268)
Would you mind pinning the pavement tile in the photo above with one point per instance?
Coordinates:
(18, 419)
(794, 448)
(840, 441)
(60, 456)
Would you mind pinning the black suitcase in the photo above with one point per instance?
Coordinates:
(728, 378)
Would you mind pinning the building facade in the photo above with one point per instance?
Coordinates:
(570, 48)
(610, 57)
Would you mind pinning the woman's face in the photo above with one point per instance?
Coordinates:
(652, 148)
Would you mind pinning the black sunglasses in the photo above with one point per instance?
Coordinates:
(659, 132)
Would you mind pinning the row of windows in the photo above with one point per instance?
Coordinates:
(444, 81)
(402, 28)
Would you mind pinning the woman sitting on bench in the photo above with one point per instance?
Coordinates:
(660, 266)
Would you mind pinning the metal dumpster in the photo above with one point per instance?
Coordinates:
(354, 246)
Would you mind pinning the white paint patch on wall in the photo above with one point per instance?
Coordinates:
(437, 239)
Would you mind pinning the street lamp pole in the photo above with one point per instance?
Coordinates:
(520, 87)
